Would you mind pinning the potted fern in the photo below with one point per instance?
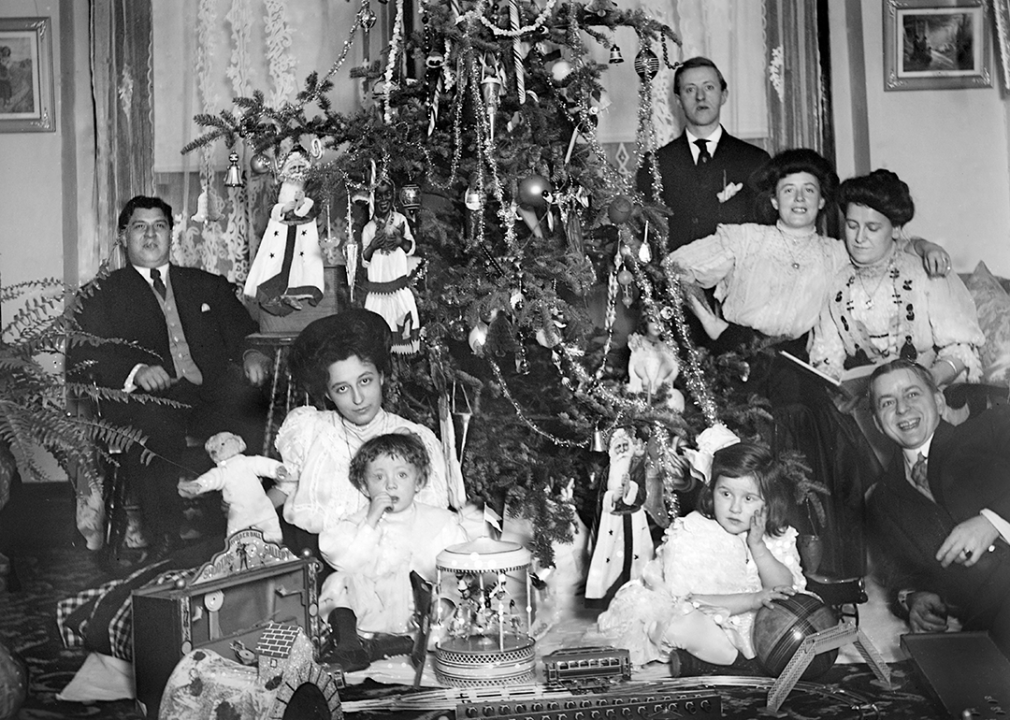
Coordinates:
(34, 395)
(807, 495)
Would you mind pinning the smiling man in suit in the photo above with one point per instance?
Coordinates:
(183, 334)
(938, 517)
(705, 170)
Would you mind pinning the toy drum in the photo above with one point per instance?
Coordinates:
(483, 614)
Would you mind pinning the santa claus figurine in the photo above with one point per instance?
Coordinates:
(288, 269)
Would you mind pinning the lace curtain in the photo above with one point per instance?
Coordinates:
(124, 121)
(798, 111)
(206, 53)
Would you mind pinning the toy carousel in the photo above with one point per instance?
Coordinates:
(483, 614)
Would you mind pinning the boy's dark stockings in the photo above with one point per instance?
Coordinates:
(353, 652)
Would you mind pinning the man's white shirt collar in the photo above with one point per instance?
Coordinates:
(713, 142)
(145, 273)
(911, 456)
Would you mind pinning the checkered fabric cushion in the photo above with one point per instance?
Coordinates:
(101, 619)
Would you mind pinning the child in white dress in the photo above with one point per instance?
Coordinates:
(374, 551)
(716, 567)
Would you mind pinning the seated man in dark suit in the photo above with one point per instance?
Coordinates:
(938, 517)
(185, 340)
(705, 170)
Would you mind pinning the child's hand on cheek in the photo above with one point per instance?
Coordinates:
(377, 507)
(756, 532)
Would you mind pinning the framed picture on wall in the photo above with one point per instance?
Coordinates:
(936, 44)
(26, 75)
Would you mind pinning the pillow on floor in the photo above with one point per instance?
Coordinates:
(993, 305)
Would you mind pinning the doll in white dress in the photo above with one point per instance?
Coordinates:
(386, 244)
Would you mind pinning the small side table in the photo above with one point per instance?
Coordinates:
(282, 389)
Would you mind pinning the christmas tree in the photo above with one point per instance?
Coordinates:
(485, 120)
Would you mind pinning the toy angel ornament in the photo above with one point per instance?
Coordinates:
(387, 250)
(288, 268)
(622, 522)
(653, 365)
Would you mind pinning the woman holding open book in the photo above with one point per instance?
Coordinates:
(884, 305)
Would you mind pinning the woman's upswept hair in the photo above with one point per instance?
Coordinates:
(351, 333)
(788, 162)
(881, 190)
(405, 446)
(751, 459)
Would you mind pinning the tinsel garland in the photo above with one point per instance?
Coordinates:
(695, 377)
(645, 138)
(480, 7)
(395, 43)
(526, 421)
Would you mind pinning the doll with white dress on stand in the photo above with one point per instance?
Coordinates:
(387, 246)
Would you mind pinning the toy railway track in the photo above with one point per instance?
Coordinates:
(460, 700)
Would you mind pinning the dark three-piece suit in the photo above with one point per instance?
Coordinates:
(692, 191)
(215, 325)
(968, 470)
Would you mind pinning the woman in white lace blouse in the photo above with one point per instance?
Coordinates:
(882, 304)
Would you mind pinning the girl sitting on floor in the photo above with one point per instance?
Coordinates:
(717, 566)
(369, 599)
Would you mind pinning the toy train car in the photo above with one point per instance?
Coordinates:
(586, 668)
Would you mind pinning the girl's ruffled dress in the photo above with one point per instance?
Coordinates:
(697, 557)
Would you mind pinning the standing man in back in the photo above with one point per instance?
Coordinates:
(705, 170)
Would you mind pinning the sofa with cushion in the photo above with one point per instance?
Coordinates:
(992, 300)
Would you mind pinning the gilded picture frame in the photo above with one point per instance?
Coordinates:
(937, 44)
(26, 75)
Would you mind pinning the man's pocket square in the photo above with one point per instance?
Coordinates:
(729, 191)
(205, 308)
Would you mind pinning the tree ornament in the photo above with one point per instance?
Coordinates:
(410, 197)
(233, 176)
(561, 70)
(368, 19)
(260, 164)
(478, 337)
(522, 364)
(620, 209)
(351, 264)
(491, 87)
(624, 277)
(646, 64)
(534, 191)
(615, 55)
(473, 199)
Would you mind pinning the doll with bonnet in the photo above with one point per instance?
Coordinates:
(288, 268)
